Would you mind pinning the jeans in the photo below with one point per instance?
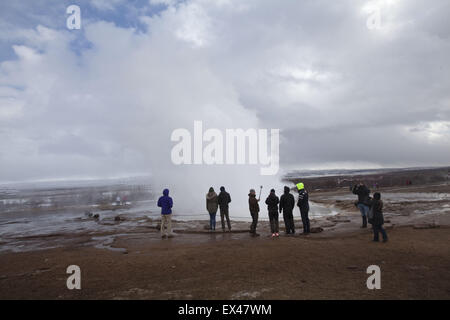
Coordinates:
(273, 217)
(305, 220)
(289, 221)
(254, 222)
(224, 214)
(212, 221)
(376, 230)
(364, 209)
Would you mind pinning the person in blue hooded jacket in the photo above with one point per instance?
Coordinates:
(165, 203)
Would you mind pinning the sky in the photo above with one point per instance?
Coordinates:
(102, 101)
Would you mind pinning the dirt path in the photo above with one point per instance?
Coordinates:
(414, 264)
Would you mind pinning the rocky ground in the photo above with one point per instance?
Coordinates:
(197, 264)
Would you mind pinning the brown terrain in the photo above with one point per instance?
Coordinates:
(414, 265)
(197, 264)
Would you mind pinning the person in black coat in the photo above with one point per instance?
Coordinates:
(376, 217)
(363, 201)
(303, 204)
(272, 206)
(253, 205)
(224, 199)
(287, 204)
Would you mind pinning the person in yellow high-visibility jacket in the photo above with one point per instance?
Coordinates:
(303, 204)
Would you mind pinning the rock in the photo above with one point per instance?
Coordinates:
(418, 268)
(426, 226)
(338, 219)
(96, 216)
(119, 218)
(328, 225)
(88, 214)
(316, 230)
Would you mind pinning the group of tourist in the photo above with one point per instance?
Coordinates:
(371, 210)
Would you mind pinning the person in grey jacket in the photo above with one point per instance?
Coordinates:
(212, 204)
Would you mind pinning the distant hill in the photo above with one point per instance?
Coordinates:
(330, 179)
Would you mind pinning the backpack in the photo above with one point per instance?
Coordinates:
(370, 215)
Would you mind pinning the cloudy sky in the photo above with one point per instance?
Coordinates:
(102, 101)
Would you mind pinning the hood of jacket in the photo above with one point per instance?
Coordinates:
(272, 195)
(166, 192)
(211, 195)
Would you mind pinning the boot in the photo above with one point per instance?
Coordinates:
(364, 222)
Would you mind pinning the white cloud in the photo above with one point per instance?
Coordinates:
(436, 132)
(335, 88)
(195, 25)
(165, 2)
(106, 4)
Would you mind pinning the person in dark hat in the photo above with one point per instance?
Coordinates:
(287, 204)
(272, 207)
(376, 217)
(224, 199)
(253, 206)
